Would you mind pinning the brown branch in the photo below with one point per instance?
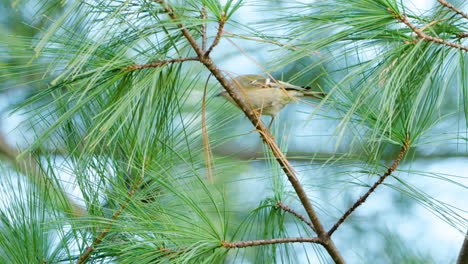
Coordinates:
(363, 198)
(203, 28)
(185, 32)
(419, 33)
(296, 214)
(261, 242)
(462, 35)
(463, 255)
(85, 255)
(456, 10)
(222, 22)
(265, 134)
(156, 64)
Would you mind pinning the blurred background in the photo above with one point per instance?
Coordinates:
(398, 224)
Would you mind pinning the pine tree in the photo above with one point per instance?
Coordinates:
(127, 162)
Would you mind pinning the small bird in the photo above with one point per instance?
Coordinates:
(269, 96)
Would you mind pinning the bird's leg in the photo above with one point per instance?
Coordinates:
(271, 122)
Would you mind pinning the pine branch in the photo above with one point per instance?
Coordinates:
(99, 238)
(296, 214)
(254, 118)
(156, 64)
(456, 10)
(262, 242)
(203, 28)
(222, 21)
(422, 35)
(363, 198)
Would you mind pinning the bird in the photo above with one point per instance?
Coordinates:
(268, 96)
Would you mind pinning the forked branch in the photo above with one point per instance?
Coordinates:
(422, 35)
(263, 131)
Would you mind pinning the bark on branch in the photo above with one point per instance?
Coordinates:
(422, 35)
(222, 21)
(100, 237)
(156, 64)
(262, 242)
(296, 214)
(454, 9)
(254, 118)
(363, 198)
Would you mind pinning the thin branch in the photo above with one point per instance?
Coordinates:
(432, 23)
(296, 214)
(462, 35)
(260, 242)
(463, 255)
(264, 133)
(222, 22)
(185, 32)
(156, 64)
(419, 33)
(99, 238)
(363, 198)
(203, 28)
(456, 10)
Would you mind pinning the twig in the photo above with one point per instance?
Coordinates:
(363, 198)
(85, 255)
(462, 35)
(254, 119)
(296, 214)
(432, 23)
(203, 28)
(156, 64)
(185, 32)
(456, 10)
(260, 242)
(222, 21)
(419, 33)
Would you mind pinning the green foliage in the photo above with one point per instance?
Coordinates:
(130, 139)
